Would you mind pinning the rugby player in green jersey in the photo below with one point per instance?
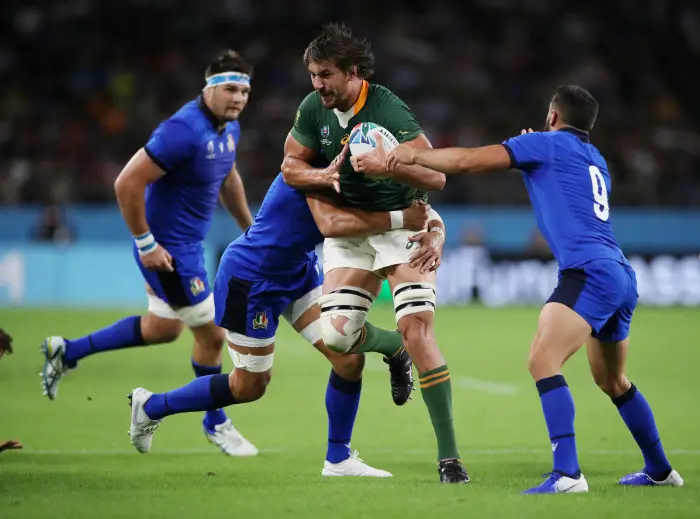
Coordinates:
(354, 268)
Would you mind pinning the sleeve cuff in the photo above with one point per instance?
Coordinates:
(155, 159)
(513, 162)
(304, 140)
(408, 137)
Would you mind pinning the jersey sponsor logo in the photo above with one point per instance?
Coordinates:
(210, 150)
(260, 321)
(197, 286)
(230, 143)
(403, 132)
(345, 139)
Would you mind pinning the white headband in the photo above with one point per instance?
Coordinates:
(228, 78)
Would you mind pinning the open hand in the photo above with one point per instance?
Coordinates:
(402, 154)
(333, 170)
(429, 254)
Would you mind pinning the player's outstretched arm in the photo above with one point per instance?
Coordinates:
(233, 198)
(298, 172)
(451, 161)
(336, 221)
(130, 188)
(419, 176)
(374, 163)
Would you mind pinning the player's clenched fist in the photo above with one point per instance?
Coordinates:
(402, 154)
(159, 259)
(415, 216)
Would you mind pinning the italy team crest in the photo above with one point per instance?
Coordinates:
(197, 286)
(260, 321)
(230, 143)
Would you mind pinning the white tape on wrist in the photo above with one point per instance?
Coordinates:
(396, 219)
(146, 243)
(438, 230)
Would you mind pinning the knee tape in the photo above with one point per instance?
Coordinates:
(312, 332)
(199, 314)
(252, 363)
(411, 298)
(343, 314)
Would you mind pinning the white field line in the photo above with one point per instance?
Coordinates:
(409, 452)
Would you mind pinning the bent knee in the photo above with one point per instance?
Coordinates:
(416, 327)
(158, 330)
(347, 366)
(247, 386)
(613, 386)
(341, 332)
(538, 358)
(343, 315)
(210, 336)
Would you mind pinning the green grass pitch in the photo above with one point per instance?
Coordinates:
(78, 462)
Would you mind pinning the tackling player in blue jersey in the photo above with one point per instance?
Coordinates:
(569, 186)
(272, 271)
(167, 194)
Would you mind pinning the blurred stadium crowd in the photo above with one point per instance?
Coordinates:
(85, 82)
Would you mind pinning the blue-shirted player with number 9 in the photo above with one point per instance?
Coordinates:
(569, 186)
(167, 194)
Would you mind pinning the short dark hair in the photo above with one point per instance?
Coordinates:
(337, 45)
(228, 61)
(576, 106)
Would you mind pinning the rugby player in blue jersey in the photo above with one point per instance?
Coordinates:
(569, 186)
(167, 194)
(272, 271)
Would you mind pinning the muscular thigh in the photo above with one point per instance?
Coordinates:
(351, 277)
(603, 293)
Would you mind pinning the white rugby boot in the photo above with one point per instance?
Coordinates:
(142, 427)
(353, 466)
(53, 349)
(230, 440)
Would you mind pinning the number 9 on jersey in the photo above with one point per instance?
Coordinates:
(601, 208)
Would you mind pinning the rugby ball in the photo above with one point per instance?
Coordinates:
(363, 138)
